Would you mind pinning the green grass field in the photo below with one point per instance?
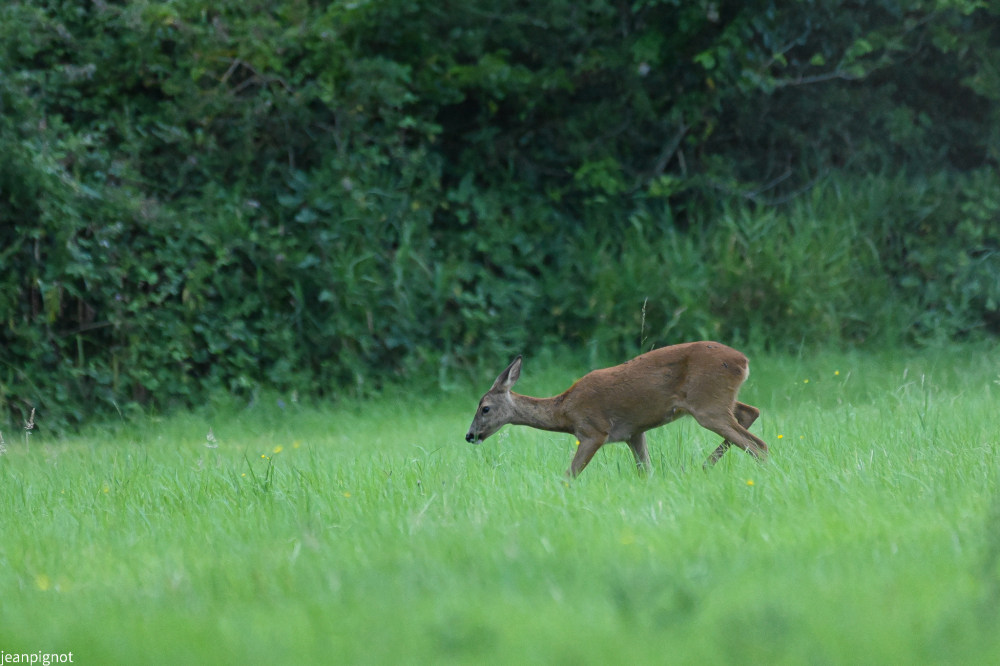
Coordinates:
(370, 532)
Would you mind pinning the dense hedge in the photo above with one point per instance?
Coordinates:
(319, 197)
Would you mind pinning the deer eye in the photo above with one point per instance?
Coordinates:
(486, 409)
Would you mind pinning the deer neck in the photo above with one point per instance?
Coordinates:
(541, 413)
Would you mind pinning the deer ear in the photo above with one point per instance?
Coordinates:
(508, 377)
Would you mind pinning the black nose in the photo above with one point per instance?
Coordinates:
(469, 437)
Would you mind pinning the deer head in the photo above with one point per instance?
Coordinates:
(496, 407)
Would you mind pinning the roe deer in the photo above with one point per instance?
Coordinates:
(621, 403)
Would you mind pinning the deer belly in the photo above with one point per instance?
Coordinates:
(623, 429)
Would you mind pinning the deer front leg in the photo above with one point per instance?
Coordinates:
(584, 452)
(637, 443)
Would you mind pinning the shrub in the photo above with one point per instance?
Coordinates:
(196, 196)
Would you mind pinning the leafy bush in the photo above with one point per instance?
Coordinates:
(199, 196)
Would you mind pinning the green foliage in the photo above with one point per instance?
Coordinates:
(324, 198)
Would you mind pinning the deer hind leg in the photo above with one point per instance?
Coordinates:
(637, 443)
(732, 431)
(745, 416)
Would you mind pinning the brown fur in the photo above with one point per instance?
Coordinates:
(619, 404)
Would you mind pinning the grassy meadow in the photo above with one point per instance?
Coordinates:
(370, 532)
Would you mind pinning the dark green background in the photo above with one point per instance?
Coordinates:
(322, 197)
